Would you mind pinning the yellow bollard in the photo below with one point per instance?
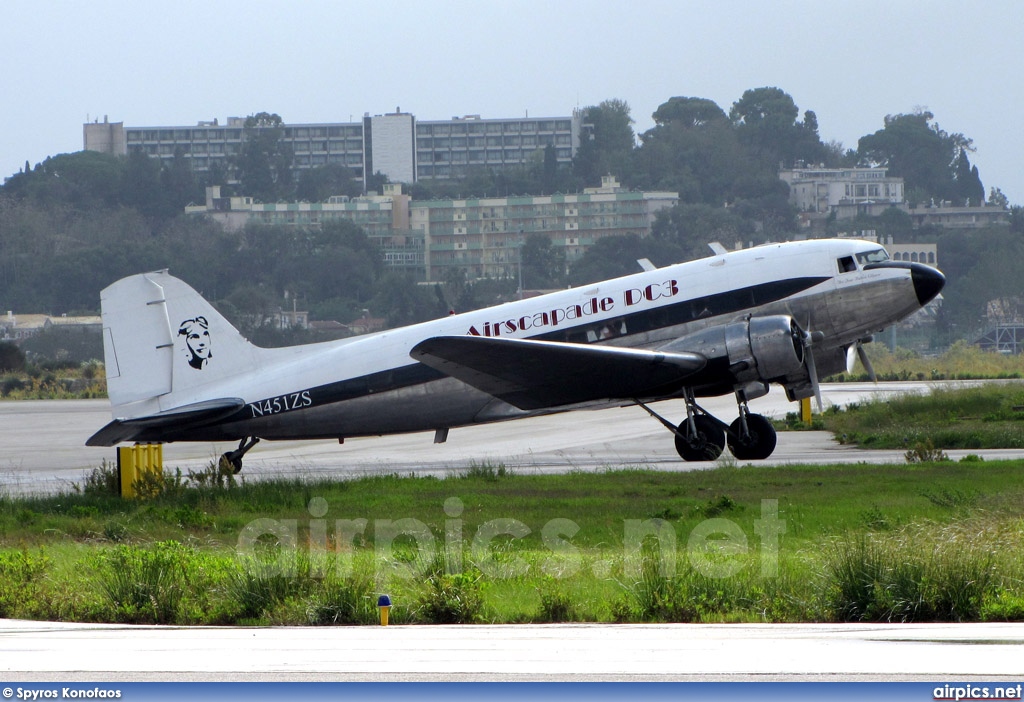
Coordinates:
(384, 605)
(135, 461)
(126, 470)
(805, 410)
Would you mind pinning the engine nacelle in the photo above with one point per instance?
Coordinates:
(758, 350)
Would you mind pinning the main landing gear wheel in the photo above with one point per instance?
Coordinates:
(706, 444)
(754, 444)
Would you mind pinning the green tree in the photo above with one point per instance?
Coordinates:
(216, 175)
(614, 256)
(180, 186)
(451, 291)
(689, 113)
(764, 199)
(607, 143)
(263, 165)
(543, 266)
(692, 150)
(320, 183)
(996, 198)
(893, 222)
(689, 228)
(549, 175)
(140, 184)
(11, 357)
(83, 180)
(921, 153)
(609, 257)
(766, 121)
(336, 260)
(1017, 219)
(978, 275)
(375, 183)
(969, 190)
(250, 306)
(401, 301)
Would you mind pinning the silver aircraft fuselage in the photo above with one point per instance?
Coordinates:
(841, 290)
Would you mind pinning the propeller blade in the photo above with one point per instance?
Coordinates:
(809, 338)
(812, 371)
(866, 362)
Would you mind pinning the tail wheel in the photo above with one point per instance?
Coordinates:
(228, 463)
(706, 444)
(757, 443)
(233, 459)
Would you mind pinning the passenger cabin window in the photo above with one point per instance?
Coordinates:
(846, 264)
(873, 256)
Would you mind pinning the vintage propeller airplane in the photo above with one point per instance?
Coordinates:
(730, 323)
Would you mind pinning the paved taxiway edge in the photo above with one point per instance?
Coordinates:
(515, 652)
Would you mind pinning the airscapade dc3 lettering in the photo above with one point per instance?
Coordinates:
(730, 323)
(591, 307)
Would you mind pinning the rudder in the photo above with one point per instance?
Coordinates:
(162, 342)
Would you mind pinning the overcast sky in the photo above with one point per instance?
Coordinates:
(176, 63)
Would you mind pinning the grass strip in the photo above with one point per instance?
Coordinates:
(919, 542)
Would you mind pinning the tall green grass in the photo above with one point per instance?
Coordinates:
(976, 417)
(923, 542)
(913, 576)
(961, 361)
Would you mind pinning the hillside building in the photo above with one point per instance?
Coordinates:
(855, 190)
(845, 193)
(944, 216)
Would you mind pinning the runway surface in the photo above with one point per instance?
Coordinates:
(624, 652)
(42, 443)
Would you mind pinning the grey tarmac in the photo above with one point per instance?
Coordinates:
(42, 443)
(581, 652)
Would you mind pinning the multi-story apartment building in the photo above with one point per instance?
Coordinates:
(384, 218)
(395, 144)
(452, 149)
(481, 235)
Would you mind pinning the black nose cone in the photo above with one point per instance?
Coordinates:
(928, 282)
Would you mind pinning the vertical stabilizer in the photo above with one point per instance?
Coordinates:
(163, 345)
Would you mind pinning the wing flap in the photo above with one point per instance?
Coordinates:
(542, 374)
(187, 416)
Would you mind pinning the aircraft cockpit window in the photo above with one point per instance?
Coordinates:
(875, 256)
(846, 264)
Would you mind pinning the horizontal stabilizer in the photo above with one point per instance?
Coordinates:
(179, 418)
(541, 374)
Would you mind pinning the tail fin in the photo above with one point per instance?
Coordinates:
(162, 343)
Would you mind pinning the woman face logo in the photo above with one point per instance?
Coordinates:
(197, 341)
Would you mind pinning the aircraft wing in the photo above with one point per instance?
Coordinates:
(539, 374)
(179, 418)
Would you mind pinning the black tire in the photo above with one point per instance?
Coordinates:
(759, 443)
(228, 461)
(707, 445)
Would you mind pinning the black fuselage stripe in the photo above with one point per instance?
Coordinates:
(636, 323)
